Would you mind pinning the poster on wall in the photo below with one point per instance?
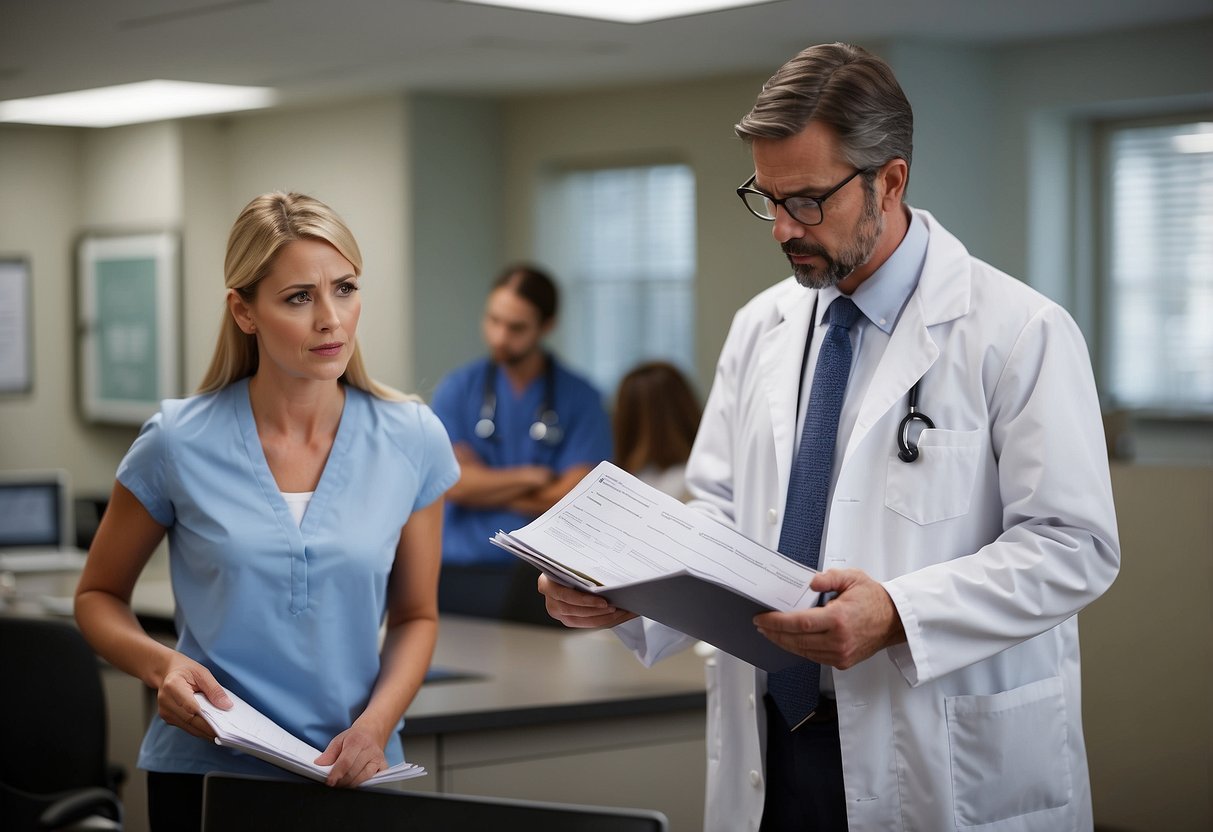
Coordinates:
(128, 313)
(16, 327)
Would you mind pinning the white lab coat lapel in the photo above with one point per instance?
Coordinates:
(781, 356)
(942, 295)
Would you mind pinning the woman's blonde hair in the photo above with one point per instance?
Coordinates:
(263, 228)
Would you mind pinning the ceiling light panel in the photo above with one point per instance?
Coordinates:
(135, 103)
(620, 11)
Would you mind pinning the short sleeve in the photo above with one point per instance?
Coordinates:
(144, 470)
(439, 470)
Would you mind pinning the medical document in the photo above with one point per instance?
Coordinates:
(246, 729)
(646, 552)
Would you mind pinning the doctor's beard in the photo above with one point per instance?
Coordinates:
(838, 266)
(503, 357)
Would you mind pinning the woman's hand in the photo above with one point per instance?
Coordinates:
(355, 756)
(574, 608)
(176, 701)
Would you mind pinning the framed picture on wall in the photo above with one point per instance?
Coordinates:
(16, 327)
(129, 324)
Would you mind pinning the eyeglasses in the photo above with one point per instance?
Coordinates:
(806, 210)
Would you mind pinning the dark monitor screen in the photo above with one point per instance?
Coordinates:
(31, 514)
(238, 803)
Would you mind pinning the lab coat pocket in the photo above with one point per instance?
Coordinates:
(939, 484)
(1010, 753)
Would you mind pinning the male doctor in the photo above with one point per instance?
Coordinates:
(940, 687)
(525, 429)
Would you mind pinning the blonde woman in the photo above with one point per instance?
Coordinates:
(303, 506)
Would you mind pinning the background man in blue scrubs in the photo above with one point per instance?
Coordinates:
(525, 430)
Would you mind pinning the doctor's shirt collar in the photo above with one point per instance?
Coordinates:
(883, 295)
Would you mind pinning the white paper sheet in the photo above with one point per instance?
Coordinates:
(246, 729)
(614, 530)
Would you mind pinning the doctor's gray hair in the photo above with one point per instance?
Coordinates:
(845, 87)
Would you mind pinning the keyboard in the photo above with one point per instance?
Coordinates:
(46, 560)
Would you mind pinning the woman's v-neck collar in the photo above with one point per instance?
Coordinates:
(331, 477)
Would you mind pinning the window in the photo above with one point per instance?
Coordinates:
(622, 243)
(1157, 290)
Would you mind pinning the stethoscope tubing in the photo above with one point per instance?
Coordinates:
(546, 427)
(907, 448)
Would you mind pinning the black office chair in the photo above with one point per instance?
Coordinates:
(239, 803)
(54, 772)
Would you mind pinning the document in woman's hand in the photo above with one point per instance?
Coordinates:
(646, 552)
(246, 729)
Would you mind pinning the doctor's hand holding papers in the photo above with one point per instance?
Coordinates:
(615, 547)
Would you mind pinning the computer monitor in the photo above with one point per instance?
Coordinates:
(236, 803)
(36, 527)
(35, 510)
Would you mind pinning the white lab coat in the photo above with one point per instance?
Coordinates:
(989, 545)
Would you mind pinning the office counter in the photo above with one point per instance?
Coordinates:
(560, 715)
(510, 710)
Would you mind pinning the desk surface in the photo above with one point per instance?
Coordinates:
(531, 674)
(490, 674)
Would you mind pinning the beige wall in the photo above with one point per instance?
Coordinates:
(993, 129)
(688, 123)
(987, 119)
(1147, 657)
(192, 177)
(54, 185)
(995, 161)
(455, 160)
(352, 156)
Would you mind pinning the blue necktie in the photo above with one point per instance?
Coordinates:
(795, 689)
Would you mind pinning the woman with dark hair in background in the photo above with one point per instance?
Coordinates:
(656, 417)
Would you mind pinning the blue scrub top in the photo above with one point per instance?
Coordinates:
(457, 402)
(286, 615)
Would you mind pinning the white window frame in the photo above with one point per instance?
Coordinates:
(1107, 295)
(558, 246)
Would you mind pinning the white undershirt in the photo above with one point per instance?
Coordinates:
(297, 502)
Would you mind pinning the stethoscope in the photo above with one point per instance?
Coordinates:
(907, 448)
(546, 427)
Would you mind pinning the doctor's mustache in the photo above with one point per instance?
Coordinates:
(800, 248)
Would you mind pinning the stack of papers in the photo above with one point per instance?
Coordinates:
(246, 729)
(646, 552)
